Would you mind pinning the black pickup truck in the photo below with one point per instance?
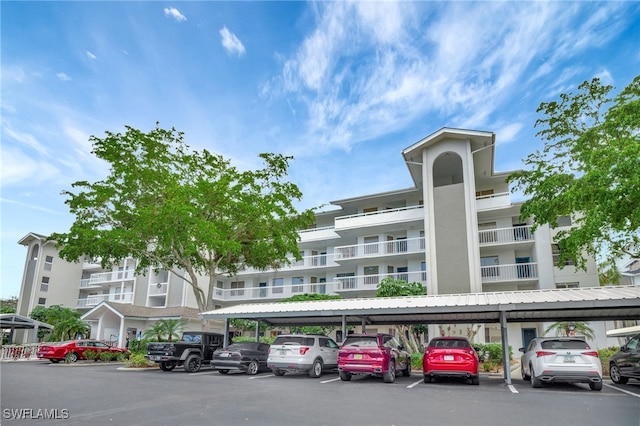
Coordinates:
(194, 348)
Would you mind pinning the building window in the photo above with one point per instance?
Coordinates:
(42, 301)
(370, 245)
(489, 266)
(297, 284)
(277, 285)
(568, 285)
(371, 275)
(555, 250)
(564, 221)
(48, 263)
(117, 292)
(484, 193)
(237, 288)
(45, 280)
(44, 287)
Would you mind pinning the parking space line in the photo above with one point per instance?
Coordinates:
(203, 373)
(412, 385)
(512, 389)
(622, 390)
(263, 376)
(331, 380)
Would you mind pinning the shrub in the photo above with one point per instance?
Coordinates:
(91, 355)
(416, 361)
(107, 356)
(605, 356)
(139, 361)
(263, 339)
(494, 351)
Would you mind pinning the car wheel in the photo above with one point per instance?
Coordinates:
(616, 377)
(427, 379)
(192, 364)
(344, 376)
(253, 367)
(596, 386)
(525, 376)
(535, 382)
(223, 371)
(278, 372)
(163, 366)
(71, 357)
(475, 380)
(390, 375)
(316, 369)
(407, 371)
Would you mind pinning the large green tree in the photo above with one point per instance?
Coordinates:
(66, 323)
(186, 211)
(9, 306)
(589, 166)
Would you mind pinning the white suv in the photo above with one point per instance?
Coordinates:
(291, 353)
(561, 359)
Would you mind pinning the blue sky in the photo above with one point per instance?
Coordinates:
(341, 86)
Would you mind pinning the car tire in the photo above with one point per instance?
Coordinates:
(278, 372)
(595, 386)
(390, 375)
(475, 380)
(407, 371)
(192, 364)
(253, 368)
(428, 379)
(535, 382)
(525, 376)
(344, 376)
(71, 357)
(316, 369)
(224, 371)
(167, 365)
(616, 377)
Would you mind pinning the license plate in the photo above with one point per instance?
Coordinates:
(448, 357)
(154, 357)
(357, 356)
(569, 358)
(224, 355)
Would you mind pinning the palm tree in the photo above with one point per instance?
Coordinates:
(165, 329)
(155, 332)
(563, 328)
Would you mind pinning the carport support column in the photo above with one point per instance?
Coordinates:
(226, 333)
(344, 327)
(506, 365)
(257, 331)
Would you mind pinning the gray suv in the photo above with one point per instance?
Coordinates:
(292, 353)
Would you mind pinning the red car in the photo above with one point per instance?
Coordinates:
(450, 357)
(74, 350)
(373, 354)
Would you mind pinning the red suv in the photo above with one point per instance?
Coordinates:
(373, 354)
(450, 357)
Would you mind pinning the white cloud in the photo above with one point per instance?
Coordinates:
(25, 138)
(18, 168)
(91, 55)
(508, 133)
(231, 43)
(62, 76)
(174, 13)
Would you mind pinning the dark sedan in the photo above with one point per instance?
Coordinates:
(625, 364)
(73, 350)
(246, 357)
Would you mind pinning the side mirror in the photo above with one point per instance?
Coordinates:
(521, 350)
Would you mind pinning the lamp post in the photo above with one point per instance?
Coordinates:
(572, 329)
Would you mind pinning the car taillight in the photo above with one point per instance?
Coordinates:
(591, 353)
(544, 353)
(303, 350)
(269, 350)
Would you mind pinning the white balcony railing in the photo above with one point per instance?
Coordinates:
(307, 262)
(370, 282)
(514, 272)
(271, 293)
(107, 277)
(379, 217)
(406, 246)
(92, 301)
(492, 201)
(506, 235)
(158, 289)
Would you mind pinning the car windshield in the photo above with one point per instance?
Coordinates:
(564, 344)
(449, 343)
(361, 341)
(191, 338)
(293, 340)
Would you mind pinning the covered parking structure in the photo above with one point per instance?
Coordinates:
(575, 304)
(14, 322)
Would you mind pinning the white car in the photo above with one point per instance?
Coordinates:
(561, 359)
(291, 353)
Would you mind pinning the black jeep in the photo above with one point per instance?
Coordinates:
(194, 348)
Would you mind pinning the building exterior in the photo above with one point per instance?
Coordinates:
(455, 231)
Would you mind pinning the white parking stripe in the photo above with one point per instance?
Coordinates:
(330, 380)
(622, 390)
(204, 373)
(412, 385)
(512, 389)
(263, 376)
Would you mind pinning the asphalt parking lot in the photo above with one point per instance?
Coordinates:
(102, 394)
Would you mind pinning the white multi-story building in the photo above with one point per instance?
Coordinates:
(455, 231)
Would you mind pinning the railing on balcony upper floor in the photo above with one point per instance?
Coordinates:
(315, 234)
(492, 201)
(313, 261)
(158, 289)
(272, 292)
(107, 277)
(384, 248)
(92, 301)
(513, 272)
(370, 282)
(506, 235)
(402, 214)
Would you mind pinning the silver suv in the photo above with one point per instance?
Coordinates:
(292, 353)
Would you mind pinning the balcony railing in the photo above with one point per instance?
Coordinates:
(378, 217)
(314, 261)
(514, 272)
(413, 245)
(158, 289)
(92, 301)
(492, 201)
(107, 277)
(271, 293)
(506, 235)
(370, 282)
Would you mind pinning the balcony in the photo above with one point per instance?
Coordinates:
(493, 201)
(271, 293)
(502, 236)
(519, 272)
(102, 278)
(310, 237)
(158, 289)
(381, 218)
(307, 262)
(379, 249)
(367, 285)
(92, 301)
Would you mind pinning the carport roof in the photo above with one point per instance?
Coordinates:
(20, 321)
(580, 304)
